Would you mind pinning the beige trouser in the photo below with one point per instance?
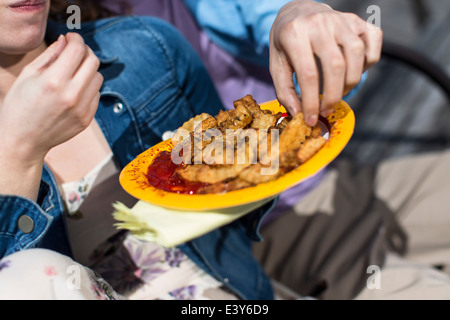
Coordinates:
(340, 242)
(421, 200)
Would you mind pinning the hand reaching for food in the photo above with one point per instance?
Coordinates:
(324, 48)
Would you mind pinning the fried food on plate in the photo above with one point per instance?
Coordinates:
(238, 118)
(309, 148)
(260, 118)
(244, 147)
(189, 127)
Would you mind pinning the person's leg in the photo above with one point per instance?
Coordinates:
(401, 279)
(330, 240)
(418, 190)
(40, 274)
(324, 244)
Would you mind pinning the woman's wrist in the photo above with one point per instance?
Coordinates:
(20, 169)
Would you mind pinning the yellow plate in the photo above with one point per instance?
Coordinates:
(133, 177)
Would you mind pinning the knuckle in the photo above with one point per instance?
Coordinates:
(357, 46)
(91, 57)
(83, 115)
(69, 100)
(353, 81)
(316, 18)
(52, 85)
(373, 59)
(290, 27)
(284, 38)
(100, 80)
(289, 32)
(309, 74)
(85, 120)
(75, 37)
(353, 16)
(96, 61)
(100, 77)
(78, 49)
(337, 63)
(97, 80)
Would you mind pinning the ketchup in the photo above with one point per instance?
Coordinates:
(162, 175)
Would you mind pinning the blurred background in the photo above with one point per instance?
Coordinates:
(404, 107)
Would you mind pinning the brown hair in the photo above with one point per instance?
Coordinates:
(90, 10)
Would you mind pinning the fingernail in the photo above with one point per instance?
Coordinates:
(312, 120)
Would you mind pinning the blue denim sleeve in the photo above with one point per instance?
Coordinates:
(240, 27)
(189, 72)
(22, 222)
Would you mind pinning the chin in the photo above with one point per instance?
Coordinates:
(23, 42)
(22, 32)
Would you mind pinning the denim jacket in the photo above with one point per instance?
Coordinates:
(153, 82)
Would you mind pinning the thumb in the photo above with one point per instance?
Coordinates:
(49, 55)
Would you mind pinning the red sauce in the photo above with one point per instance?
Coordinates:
(162, 175)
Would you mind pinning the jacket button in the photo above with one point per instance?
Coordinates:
(167, 135)
(118, 107)
(26, 224)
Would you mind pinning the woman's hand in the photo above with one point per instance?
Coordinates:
(323, 47)
(54, 98)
